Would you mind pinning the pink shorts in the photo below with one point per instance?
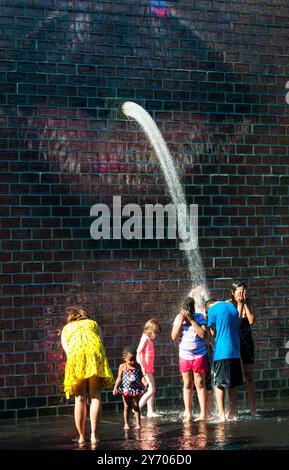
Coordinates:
(199, 365)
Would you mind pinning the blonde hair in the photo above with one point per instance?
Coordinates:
(75, 313)
(153, 325)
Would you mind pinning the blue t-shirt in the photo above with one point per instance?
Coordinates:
(191, 346)
(224, 318)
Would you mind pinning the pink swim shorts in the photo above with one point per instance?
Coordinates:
(199, 365)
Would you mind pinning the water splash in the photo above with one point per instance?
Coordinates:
(195, 265)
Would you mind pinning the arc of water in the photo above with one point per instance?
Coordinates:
(139, 114)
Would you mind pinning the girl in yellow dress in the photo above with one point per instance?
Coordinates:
(86, 371)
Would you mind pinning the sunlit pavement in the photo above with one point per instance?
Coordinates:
(166, 432)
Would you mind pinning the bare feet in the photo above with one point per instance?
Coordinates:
(126, 426)
(255, 414)
(137, 426)
(187, 419)
(81, 441)
(93, 439)
(200, 418)
(153, 415)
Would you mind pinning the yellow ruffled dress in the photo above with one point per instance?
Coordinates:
(86, 355)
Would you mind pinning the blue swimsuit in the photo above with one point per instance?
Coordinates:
(131, 384)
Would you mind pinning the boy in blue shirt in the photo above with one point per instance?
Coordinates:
(223, 321)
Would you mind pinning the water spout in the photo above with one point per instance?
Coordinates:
(195, 265)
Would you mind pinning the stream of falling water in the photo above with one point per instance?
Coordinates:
(195, 264)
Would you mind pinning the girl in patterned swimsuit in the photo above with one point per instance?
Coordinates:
(130, 384)
(86, 371)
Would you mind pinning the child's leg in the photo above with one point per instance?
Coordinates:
(209, 404)
(94, 386)
(126, 410)
(199, 380)
(151, 400)
(80, 410)
(250, 384)
(188, 394)
(232, 392)
(148, 397)
(137, 411)
(220, 398)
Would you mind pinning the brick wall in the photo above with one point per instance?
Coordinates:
(212, 74)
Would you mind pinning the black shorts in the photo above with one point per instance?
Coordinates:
(228, 373)
(247, 350)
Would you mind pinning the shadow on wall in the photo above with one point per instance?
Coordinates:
(69, 150)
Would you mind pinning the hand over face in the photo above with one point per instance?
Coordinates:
(240, 296)
(244, 296)
(186, 315)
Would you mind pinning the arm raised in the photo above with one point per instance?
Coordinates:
(176, 330)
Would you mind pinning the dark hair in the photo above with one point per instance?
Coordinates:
(129, 350)
(76, 313)
(236, 284)
(208, 303)
(189, 305)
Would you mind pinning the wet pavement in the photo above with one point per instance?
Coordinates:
(166, 432)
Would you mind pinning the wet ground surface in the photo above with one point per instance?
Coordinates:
(167, 432)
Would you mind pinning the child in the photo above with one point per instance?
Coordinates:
(223, 321)
(145, 357)
(247, 319)
(190, 329)
(86, 371)
(129, 384)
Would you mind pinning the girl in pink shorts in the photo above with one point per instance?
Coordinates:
(145, 357)
(190, 330)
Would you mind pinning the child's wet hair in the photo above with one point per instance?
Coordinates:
(129, 350)
(189, 305)
(153, 325)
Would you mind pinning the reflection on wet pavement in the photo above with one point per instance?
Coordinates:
(166, 432)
